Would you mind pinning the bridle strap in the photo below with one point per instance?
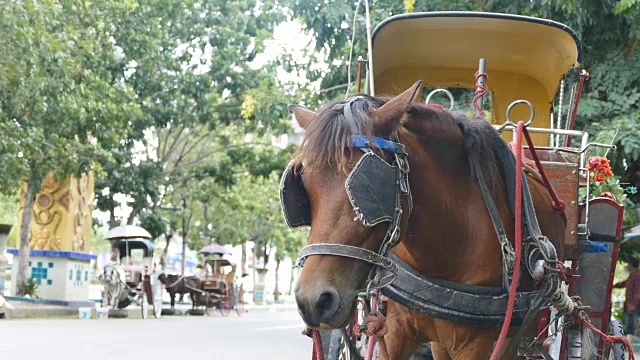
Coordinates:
(348, 251)
(348, 114)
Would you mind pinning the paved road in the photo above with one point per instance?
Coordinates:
(264, 336)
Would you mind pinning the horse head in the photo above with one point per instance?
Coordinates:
(345, 182)
(110, 274)
(163, 278)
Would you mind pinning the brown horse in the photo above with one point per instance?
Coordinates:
(448, 234)
(176, 284)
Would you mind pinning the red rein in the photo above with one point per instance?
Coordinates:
(318, 351)
(518, 248)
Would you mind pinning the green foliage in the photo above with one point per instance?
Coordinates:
(155, 224)
(60, 93)
(9, 209)
(190, 66)
(248, 211)
(30, 288)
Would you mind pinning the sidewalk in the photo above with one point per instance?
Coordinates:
(27, 310)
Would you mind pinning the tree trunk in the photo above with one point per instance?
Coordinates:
(25, 235)
(165, 251)
(243, 258)
(255, 264)
(291, 283)
(133, 215)
(112, 218)
(276, 290)
(186, 223)
(206, 234)
(267, 252)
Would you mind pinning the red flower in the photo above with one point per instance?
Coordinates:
(608, 195)
(600, 177)
(594, 162)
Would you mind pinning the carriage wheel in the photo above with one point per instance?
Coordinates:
(144, 306)
(225, 307)
(239, 306)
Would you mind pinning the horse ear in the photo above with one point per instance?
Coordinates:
(302, 115)
(387, 118)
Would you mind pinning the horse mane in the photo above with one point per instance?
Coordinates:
(326, 141)
(481, 140)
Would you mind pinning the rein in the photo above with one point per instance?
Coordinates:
(175, 282)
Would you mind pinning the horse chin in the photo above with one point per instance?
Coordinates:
(343, 320)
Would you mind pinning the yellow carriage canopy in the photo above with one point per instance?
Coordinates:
(526, 58)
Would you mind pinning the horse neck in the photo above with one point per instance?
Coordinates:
(449, 234)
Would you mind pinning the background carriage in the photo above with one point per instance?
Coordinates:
(130, 276)
(517, 69)
(217, 282)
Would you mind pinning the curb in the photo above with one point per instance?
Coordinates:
(31, 312)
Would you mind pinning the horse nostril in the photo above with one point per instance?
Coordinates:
(327, 304)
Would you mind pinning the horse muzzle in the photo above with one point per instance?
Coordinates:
(324, 307)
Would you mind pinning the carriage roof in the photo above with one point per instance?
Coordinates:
(135, 243)
(127, 232)
(526, 57)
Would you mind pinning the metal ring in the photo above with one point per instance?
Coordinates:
(444, 91)
(516, 103)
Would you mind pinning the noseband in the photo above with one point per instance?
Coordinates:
(374, 188)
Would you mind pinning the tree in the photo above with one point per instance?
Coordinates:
(190, 65)
(60, 94)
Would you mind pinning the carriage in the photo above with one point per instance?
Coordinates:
(217, 283)
(507, 68)
(130, 276)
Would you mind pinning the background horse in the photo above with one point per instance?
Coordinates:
(176, 284)
(115, 291)
(448, 234)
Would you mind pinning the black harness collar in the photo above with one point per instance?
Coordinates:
(447, 300)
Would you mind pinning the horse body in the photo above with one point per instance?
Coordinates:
(176, 284)
(448, 234)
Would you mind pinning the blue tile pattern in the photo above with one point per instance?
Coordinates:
(40, 273)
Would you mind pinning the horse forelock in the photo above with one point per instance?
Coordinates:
(326, 142)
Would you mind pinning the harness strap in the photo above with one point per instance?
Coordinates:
(557, 203)
(348, 114)
(360, 141)
(461, 303)
(352, 252)
(175, 282)
(508, 254)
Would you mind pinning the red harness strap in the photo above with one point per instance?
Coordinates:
(556, 202)
(515, 280)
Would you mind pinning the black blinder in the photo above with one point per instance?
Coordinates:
(372, 189)
(294, 199)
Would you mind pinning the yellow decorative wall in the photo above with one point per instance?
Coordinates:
(62, 211)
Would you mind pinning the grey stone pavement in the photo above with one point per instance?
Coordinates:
(267, 335)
